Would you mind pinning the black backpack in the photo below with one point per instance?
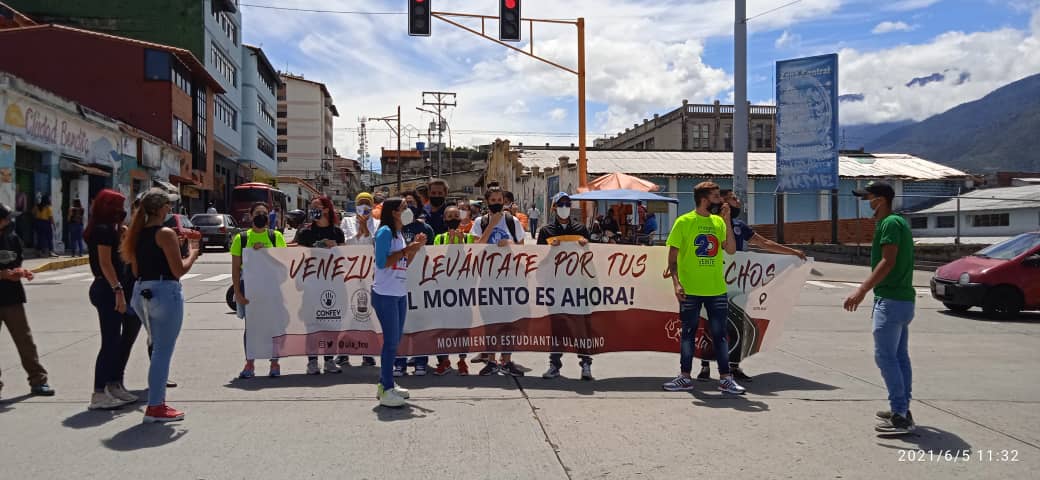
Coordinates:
(243, 237)
(486, 219)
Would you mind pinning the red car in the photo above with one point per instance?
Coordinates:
(186, 231)
(1003, 279)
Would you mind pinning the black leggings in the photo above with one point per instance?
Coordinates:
(118, 333)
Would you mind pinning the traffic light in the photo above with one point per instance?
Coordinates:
(509, 20)
(419, 17)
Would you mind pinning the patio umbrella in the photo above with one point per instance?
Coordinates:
(617, 180)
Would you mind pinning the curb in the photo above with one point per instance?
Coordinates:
(60, 264)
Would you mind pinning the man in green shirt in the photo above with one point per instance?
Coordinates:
(695, 265)
(891, 279)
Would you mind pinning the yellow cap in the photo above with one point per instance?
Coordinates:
(364, 196)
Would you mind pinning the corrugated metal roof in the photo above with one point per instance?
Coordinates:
(1009, 198)
(720, 164)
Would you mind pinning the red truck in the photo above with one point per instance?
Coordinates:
(1003, 279)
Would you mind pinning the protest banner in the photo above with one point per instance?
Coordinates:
(484, 298)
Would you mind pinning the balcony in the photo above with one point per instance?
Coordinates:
(230, 6)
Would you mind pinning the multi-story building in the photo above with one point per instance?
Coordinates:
(209, 29)
(260, 84)
(345, 181)
(162, 90)
(697, 128)
(305, 113)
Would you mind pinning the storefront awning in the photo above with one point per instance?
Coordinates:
(71, 166)
(169, 187)
(182, 180)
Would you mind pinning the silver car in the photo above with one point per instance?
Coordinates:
(218, 229)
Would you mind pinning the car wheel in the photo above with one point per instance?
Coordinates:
(1004, 302)
(957, 308)
(230, 298)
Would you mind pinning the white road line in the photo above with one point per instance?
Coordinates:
(189, 276)
(821, 284)
(217, 278)
(924, 291)
(849, 284)
(66, 277)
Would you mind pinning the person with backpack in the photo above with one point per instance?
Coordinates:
(500, 228)
(454, 235)
(257, 237)
(321, 232)
(411, 229)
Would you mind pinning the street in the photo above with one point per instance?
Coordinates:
(808, 413)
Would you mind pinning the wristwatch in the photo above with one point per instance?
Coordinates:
(117, 287)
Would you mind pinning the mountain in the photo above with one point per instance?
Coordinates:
(858, 136)
(996, 132)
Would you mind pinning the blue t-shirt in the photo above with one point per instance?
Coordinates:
(742, 234)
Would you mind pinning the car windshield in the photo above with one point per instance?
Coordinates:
(207, 220)
(1011, 248)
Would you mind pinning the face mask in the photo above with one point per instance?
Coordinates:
(363, 209)
(463, 215)
(316, 213)
(495, 208)
(407, 217)
(734, 212)
(260, 221)
(563, 212)
(453, 224)
(715, 208)
(436, 202)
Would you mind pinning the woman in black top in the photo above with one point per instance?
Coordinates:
(154, 254)
(109, 297)
(322, 232)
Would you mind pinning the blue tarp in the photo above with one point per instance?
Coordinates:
(622, 195)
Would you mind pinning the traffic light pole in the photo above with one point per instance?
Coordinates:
(580, 72)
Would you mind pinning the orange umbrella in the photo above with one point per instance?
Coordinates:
(617, 180)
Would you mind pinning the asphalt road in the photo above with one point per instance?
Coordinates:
(808, 413)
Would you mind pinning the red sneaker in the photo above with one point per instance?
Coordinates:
(463, 367)
(443, 368)
(162, 414)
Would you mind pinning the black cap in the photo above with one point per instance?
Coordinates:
(880, 189)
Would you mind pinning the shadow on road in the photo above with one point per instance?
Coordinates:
(96, 418)
(144, 435)
(773, 382)
(928, 439)
(5, 404)
(724, 400)
(408, 412)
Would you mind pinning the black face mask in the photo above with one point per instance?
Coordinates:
(416, 211)
(316, 213)
(715, 208)
(437, 202)
(495, 208)
(453, 224)
(260, 221)
(734, 212)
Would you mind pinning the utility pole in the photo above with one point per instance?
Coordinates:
(396, 131)
(363, 150)
(740, 104)
(442, 99)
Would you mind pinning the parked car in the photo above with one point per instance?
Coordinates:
(186, 231)
(218, 229)
(1003, 279)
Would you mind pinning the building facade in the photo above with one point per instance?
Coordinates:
(697, 127)
(305, 122)
(990, 212)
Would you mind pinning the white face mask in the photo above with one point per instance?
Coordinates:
(363, 209)
(407, 217)
(563, 212)
(463, 215)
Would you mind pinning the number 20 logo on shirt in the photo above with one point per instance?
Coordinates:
(707, 245)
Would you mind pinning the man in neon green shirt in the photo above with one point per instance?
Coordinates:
(696, 267)
(257, 237)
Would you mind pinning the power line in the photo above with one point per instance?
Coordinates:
(311, 10)
(772, 10)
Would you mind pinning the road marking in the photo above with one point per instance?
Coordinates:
(924, 291)
(849, 284)
(217, 278)
(822, 284)
(67, 277)
(189, 276)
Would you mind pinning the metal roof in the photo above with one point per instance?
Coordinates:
(1008, 198)
(720, 164)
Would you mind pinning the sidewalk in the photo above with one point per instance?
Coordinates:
(44, 264)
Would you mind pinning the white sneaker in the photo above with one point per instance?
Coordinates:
(120, 393)
(331, 367)
(391, 398)
(312, 368)
(402, 391)
(104, 401)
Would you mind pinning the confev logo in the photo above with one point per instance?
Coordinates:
(326, 312)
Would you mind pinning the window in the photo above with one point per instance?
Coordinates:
(156, 65)
(991, 220)
(281, 114)
(261, 108)
(283, 131)
(729, 138)
(225, 113)
(945, 221)
(198, 158)
(227, 25)
(181, 79)
(700, 137)
(223, 65)
(181, 134)
(265, 145)
(918, 223)
(767, 137)
(268, 82)
(282, 148)
(759, 137)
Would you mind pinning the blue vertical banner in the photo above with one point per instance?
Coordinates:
(807, 124)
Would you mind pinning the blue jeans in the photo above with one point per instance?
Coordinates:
(118, 332)
(891, 334)
(76, 238)
(162, 316)
(391, 312)
(690, 316)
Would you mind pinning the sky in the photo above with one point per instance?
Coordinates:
(898, 60)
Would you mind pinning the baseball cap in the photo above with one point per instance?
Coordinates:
(880, 189)
(364, 196)
(556, 198)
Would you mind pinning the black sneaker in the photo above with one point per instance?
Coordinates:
(490, 369)
(886, 415)
(740, 375)
(478, 359)
(368, 361)
(42, 390)
(897, 425)
(343, 361)
(705, 375)
(511, 369)
(411, 362)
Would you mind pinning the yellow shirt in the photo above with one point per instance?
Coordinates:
(699, 240)
(44, 213)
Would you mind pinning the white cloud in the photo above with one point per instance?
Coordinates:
(907, 5)
(787, 39)
(517, 107)
(989, 59)
(888, 27)
(557, 114)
